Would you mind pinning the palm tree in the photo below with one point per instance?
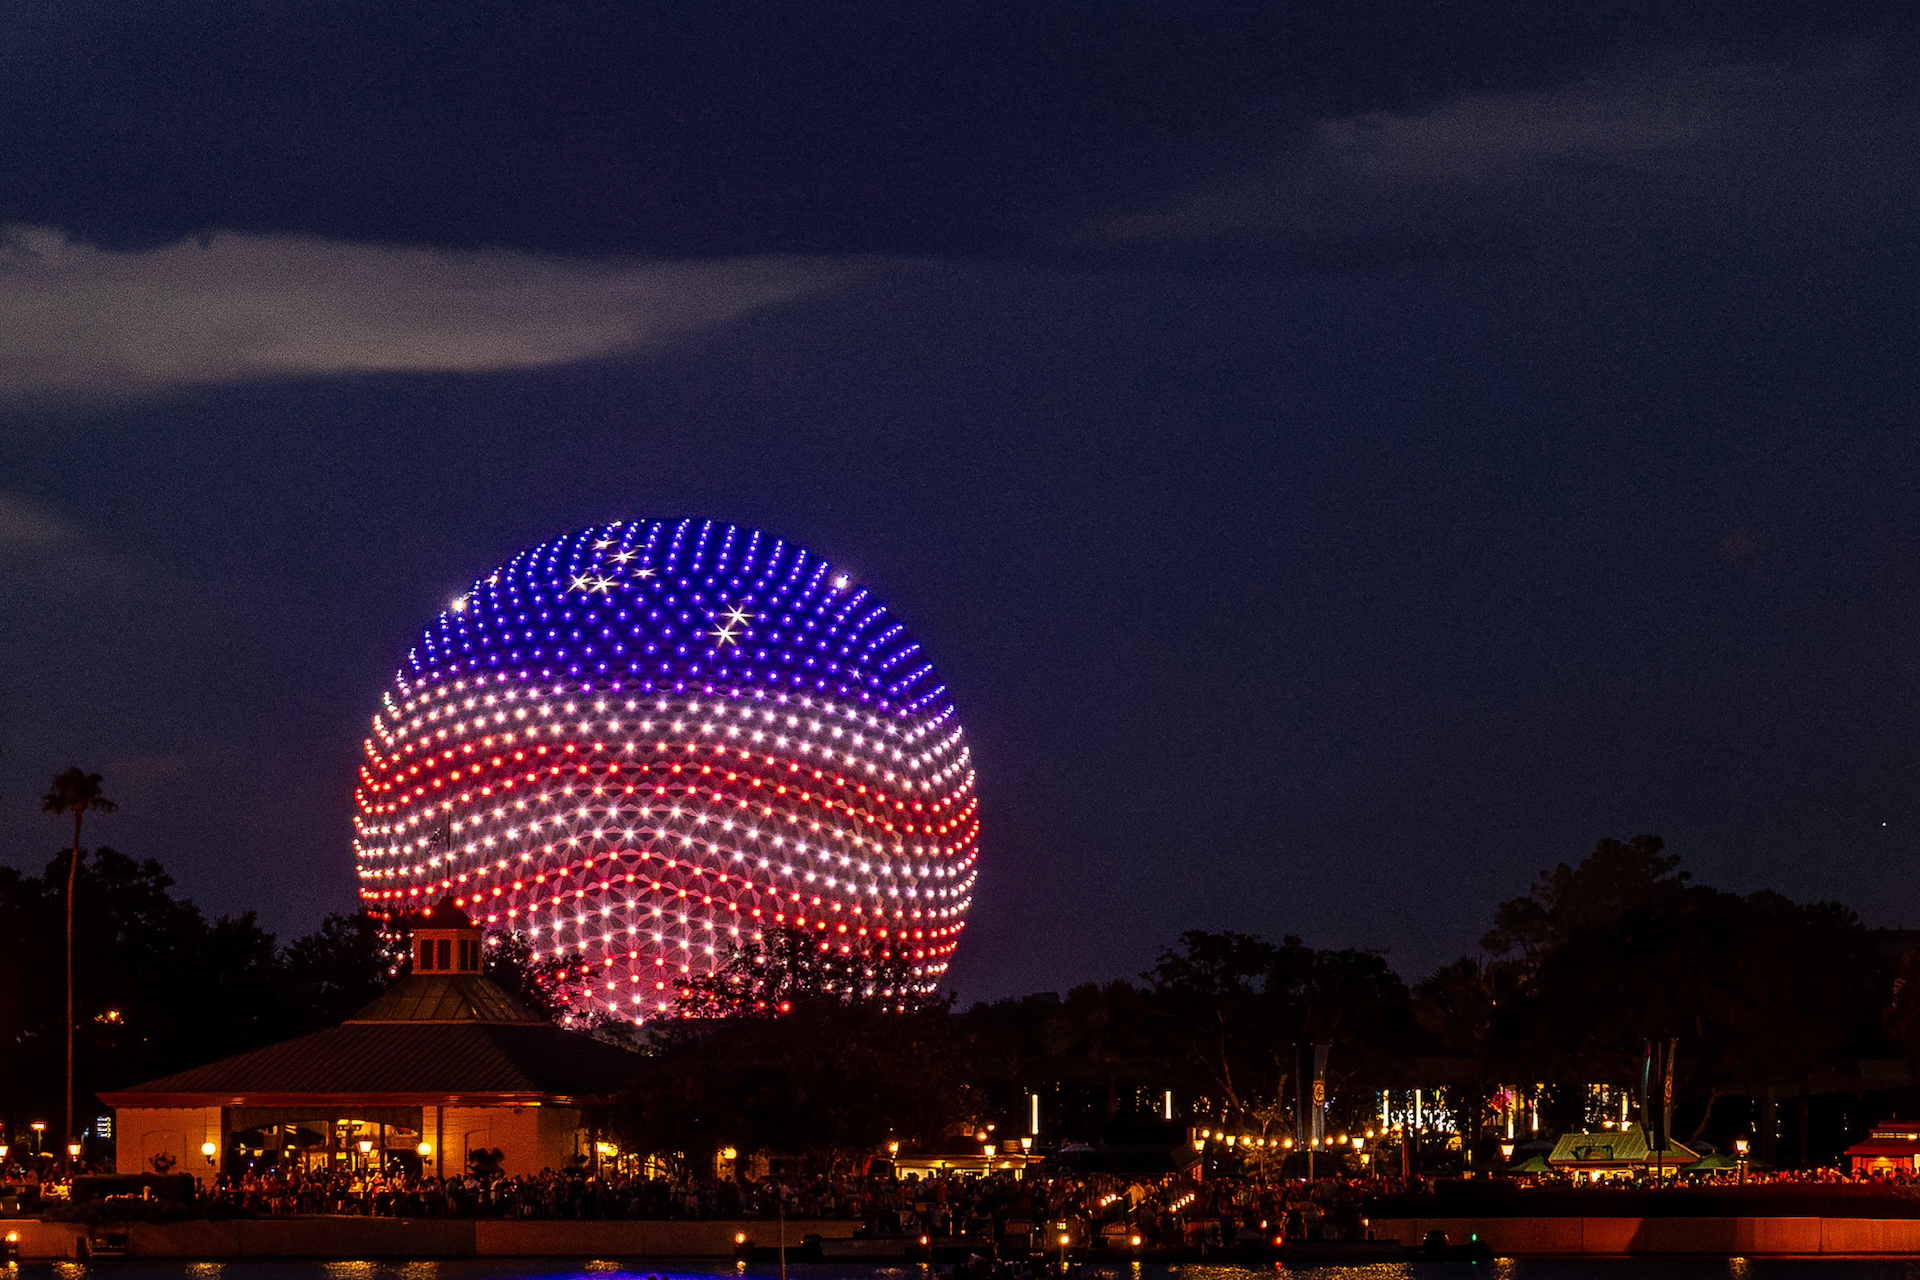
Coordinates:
(74, 792)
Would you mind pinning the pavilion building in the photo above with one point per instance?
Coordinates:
(1892, 1147)
(444, 1066)
(1625, 1152)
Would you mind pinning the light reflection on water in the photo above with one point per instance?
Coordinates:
(615, 1269)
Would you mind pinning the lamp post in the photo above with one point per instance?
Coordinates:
(1740, 1150)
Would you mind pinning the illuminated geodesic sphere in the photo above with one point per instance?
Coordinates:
(641, 743)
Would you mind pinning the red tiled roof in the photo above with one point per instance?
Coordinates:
(1901, 1146)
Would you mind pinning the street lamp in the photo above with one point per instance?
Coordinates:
(1740, 1150)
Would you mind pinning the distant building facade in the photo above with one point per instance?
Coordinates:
(1892, 1147)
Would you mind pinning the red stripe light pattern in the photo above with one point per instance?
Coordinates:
(641, 743)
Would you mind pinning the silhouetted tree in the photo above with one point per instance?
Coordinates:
(76, 792)
(538, 984)
(788, 967)
(825, 1081)
(338, 969)
(1610, 884)
(1600, 958)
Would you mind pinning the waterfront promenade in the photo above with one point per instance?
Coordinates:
(1511, 1237)
(349, 1237)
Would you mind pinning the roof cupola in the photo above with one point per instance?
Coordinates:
(446, 941)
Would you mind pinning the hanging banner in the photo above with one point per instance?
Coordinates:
(1310, 1107)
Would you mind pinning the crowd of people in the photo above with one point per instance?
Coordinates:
(1093, 1209)
(1161, 1212)
(1171, 1211)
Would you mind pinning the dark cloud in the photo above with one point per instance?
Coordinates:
(79, 321)
(987, 128)
(1680, 146)
(27, 529)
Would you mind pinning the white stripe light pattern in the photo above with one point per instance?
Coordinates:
(645, 742)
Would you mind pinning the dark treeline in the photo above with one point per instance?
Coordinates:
(161, 987)
(1768, 1000)
(1766, 997)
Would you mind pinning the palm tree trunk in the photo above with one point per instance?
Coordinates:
(73, 869)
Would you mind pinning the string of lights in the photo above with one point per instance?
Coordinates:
(641, 743)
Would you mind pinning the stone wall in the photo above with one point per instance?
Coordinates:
(1711, 1237)
(350, 1238)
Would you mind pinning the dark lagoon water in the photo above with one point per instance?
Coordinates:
(598, 1269)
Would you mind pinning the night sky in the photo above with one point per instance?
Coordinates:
(1343, 457)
